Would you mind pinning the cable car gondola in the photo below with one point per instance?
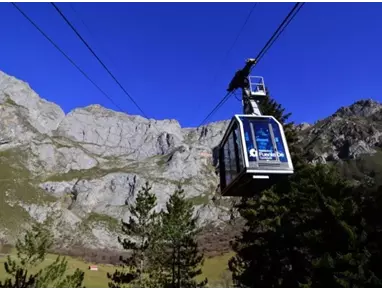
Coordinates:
(253, 153)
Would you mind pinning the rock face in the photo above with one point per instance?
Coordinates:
(83, 167)
(42, 115)
(347, 134)
(92, 161)
(107, 133)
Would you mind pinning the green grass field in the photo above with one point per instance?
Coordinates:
(215, 269)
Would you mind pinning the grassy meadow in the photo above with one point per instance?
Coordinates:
(215, 269)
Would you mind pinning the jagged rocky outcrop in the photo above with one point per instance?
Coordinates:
(349, 133)
(81, 168)
(42, 115)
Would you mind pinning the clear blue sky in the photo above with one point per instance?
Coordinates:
(166, 55)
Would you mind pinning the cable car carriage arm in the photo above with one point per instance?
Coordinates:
(241, 77)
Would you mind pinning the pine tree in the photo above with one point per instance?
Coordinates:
(370, 199)
(140, 231)
(342, 257)
(31, 252)
(304, 232)
(178, 259)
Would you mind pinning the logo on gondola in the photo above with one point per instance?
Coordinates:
(253, 153)
(270, 154)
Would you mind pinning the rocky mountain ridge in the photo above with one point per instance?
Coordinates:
(86, 164)
(349, 133)
(81, 168)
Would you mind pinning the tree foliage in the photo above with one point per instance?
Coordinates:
(140, 231)
(31, 252)
(164, 250)
(179, 260)
(305, 232)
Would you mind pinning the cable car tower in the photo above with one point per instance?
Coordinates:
(253, 153)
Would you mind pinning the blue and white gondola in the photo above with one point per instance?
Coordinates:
(253, 155)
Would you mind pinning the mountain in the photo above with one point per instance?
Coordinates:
(82, 167)
(79, 169)
(351, 138)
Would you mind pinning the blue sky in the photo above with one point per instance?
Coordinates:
(167, 54)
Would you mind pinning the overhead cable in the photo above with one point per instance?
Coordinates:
(296, 8)
(99, 60)
(66, 56)
(238, 34)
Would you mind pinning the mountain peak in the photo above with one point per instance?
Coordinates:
(363, 108)
(43, 115)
